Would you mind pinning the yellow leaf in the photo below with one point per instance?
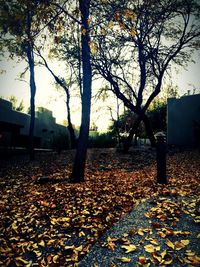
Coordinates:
(185, 242)
(50, 242)
(140, 231)
(154, 242)
(53, 221)
(110, 24)
(133, 32)
(42, 243)
(129, 14)
(124, 259)
(157, 257)
(169, 244)
(163, 254)
(167, 262)
(80, 248)
(190, 253)
(38, 253)
(14, 226)
(93, 48)
(55, 258)
(111, 245)
(21, 260)
(129, 248)
(81, 234)
(149, 248)
(161, 234)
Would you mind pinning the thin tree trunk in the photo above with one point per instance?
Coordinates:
(70, 126)
(32, 101)
(81, 153)
(62, 83)
(30, 56)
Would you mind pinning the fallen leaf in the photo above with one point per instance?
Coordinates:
(150, 248)
(129, 248)
(169, 244)
(124, 259)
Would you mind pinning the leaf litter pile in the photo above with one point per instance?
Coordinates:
(56, 223)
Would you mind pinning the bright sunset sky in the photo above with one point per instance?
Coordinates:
(47, 96)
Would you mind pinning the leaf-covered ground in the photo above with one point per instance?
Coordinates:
(56, 223)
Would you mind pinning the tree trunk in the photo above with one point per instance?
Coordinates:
(81, 153)
(62, 83)
(133, 130)
(70, 126)
(30, 57)
(72, 135)
(127, 142)
(149, 131)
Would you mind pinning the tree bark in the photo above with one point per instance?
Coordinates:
(32, 101)
(133, 130)
(30, 56)
(127, 142)
(149, 131)
(81, 152)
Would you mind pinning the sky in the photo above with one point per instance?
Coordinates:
(47, 96)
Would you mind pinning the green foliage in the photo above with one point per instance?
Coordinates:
(18, 107)
(104, 140)
(158, 117)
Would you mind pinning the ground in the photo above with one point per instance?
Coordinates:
(56, 223)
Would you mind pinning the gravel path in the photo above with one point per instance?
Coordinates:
(156, 230)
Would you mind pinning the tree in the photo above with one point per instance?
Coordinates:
(138, 44)
(19, 26)
(81, 152)
(66, 86)
(18, 107)
(81, 57)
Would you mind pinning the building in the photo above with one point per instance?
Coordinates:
(183, 121)
(14, 127)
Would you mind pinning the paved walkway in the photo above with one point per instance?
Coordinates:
(168, 235)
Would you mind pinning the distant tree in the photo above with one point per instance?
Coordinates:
(66, 87)
(157, 114)
(137, 45)
(18, 107)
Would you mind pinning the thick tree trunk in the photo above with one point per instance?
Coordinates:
(81, 153)
(30, 57)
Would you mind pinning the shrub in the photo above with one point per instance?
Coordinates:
(60, 142)
(104, 140)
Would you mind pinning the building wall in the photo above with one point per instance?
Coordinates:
(182, 116)
(17, 125)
